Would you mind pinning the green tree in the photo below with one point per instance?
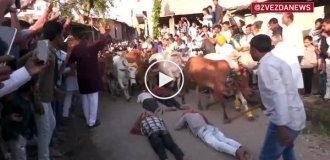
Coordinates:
(83, 7)
(155, 17)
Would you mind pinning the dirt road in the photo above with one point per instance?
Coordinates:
(112, 140)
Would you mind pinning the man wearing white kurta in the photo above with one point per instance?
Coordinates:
(281, 99)
(292, 34)
(287, 53)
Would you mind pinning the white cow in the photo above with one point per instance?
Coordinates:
(238, 94)
(168, 68)
(125, 74)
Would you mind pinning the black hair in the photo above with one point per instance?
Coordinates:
(205, 26)
(310, 38)
(258, 24)
(51, 29)
(199, 27)
(249, 25)
(273, 21)
(209, 6)
(217, 26)
(3, 47)
(319, 20)
(262, 43)
(206, 10)
(226, 22)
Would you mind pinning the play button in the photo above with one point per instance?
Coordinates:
(163, 79)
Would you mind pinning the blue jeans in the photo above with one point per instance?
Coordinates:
(273, 150)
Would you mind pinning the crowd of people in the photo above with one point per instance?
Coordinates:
(36, 96)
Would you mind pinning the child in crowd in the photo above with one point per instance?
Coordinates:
(207, 18)
(17, 120)
(308, 63)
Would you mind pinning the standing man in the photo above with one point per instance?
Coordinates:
(275, 27)
(281, 99)
(324, 55)
(218, 12)
(293, 35)
(46, 89)
(89, 79)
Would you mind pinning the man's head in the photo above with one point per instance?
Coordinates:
(256, 27)
(287, 18)
(176, 37)
(215, 2)
(308, 41)
(260, 45)
(248, 29)
(205, 29)
(199, 30)
(318, 23)
(273, 24)
(165, 26)
(52, 31)
(226, 25)
(326, 24)
(217, 29)
(209, 8)
(193, 24)
(206, 11)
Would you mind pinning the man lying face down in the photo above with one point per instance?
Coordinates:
(211, 135)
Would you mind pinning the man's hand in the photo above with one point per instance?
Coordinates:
(102, 29)
(5, 71)
(16, 117)
(283, 135)
(34, 65)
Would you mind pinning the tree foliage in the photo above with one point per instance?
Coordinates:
(83, 7)
(155, 17)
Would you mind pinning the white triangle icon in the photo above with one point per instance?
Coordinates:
(163, 79)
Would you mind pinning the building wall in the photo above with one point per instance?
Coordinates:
(304, 20)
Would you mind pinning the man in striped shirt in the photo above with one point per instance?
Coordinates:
(159, 137)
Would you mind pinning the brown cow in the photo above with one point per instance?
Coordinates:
(214, 75)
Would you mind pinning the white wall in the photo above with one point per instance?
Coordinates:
(304, 20)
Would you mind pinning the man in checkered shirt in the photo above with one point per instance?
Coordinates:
(159, 137)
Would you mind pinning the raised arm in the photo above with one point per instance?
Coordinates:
(41, 21)
(105, 39)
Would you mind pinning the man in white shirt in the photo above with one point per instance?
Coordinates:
(226, 30)
(193, 30)
(280, 97)
(287, 53)
(292, 34)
